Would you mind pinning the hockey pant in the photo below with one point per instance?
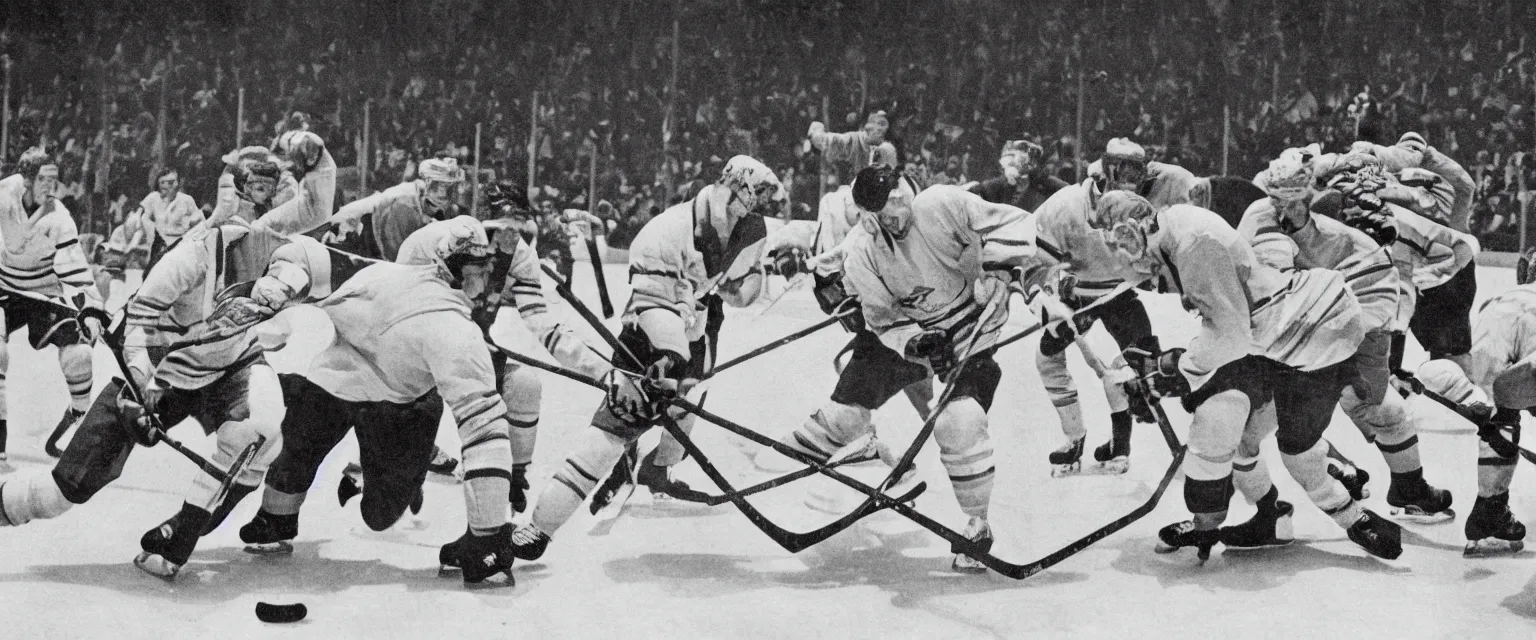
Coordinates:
(1442, 321)
(46, 325)
(394, 444)
(242, 406)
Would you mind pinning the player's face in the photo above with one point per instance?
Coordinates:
(1127, 240)
(474, 275)
(896, 217)
(168, 185)
(1124, 175)
(44, 185)
(1014, 164)
(1290, 207)
(875, 131)
(439, 194)
(260, 191)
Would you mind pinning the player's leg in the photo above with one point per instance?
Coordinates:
(94, 459)
(1221, 409)
(244, 406)
(1051, 361)
(1503, 335)
(316, 424)
(965, 449)
(597, 447)
(522, 391)
(47, 325)
(5, 367)
(1383, 417)
(394, 444)
(1126, 320)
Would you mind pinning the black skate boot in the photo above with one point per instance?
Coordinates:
(620, 480)
(1377, 535)
(663, 486)
(482, 557)
(1184, 534)
(448, 554)
(442, 463)
(1270, 527)
(529, 543)
(351, 486)
(1067, 460)
(1114, 457)
(268, 533)
(1414, 500)
(980, 533)
(1492, 529)
(518, 495)
(1352, 477)
(71, 418)
(167, 547)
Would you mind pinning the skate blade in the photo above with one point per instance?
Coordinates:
(448, 570)
(269, 548)
(1103, 469)
(1277, 544)
(500, 580)
(607, 516)
(1489, 547)
(156, 565)
(1418, 516)
(967, 565)
(1066, 470)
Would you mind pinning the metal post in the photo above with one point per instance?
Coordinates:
(592, 182)
(239, 117)
(821, 187)
(5, 111)
(1082, 85)
(363, 165)
(474, 197)
(666, 122)
(1226, 135)
(533, 144)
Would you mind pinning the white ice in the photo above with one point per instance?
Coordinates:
(707, 572)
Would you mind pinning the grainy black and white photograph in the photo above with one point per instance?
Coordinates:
(767, 319)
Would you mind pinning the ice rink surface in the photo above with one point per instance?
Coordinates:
(708, 573)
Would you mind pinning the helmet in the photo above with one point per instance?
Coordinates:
(440, 170)
(872, 190)
(1289, 177)
(301, 148)
(1124, 165)
(1124, 220)
(754, 184)
(450, 245)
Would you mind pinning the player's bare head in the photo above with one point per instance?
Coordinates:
(39, 171)
(1019, 157)
(440, 179)
(1124, 220)
(167, 182)
(1124, 165)
(755, 189)
(885, 198)
(876, 126)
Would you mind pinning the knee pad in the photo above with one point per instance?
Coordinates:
(33, 497)
(522, 391)
(1387, 422)
(961, 427)
(831, 428)
(1114, 392)
(1217, 428)
(234, 437)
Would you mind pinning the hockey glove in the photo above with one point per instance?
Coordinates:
(932, 346)
(1159, 370)
(626, 399)
(789, 263)
(1139, 400)
(1492, 428)
(134, 416)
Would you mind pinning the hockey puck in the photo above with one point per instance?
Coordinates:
(280, 612)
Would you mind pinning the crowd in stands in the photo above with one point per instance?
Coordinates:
(116, 87)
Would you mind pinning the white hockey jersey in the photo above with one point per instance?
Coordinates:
(42, 251)
(396, 212)
(933, 278)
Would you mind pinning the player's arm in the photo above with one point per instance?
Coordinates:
(524, 290)
(894, 328)
(836, 146)
(177, 273)
(317, 192)
(349, 218)
(69, 262)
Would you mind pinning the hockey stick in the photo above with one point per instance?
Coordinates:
(1504, 446)
(707, 499)
(830, 320)
(113, 338)
(596, 256)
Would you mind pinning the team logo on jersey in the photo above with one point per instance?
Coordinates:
(912, 300)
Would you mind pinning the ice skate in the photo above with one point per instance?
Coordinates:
(529, 543)
(829, 496)
(448, 554)
(482, 558)
(1378, 536)
(666, 490)
(1352, 477)
(1422, 503)
(70, 419)
(1268, 528)
(1067, 461)
(351, 486)
(980, 534)
(1184, 534)
(155, 559)
(1492, 530)
(443, 464)
(268, 533)
(609, 498)
(1114, 456)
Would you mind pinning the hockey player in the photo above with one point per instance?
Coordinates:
(253, 183)
(190, 350)
(42, 257)
(1286, 234)
(1271, 355)
(685, 265)
(1024, 183)
(171, 211)
(404, 344)
(1062, 221)
(515, 282)
(917, 271)
(128, 245)
(375, 226)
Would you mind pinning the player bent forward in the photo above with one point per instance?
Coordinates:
(404, 344)
(1272, 354)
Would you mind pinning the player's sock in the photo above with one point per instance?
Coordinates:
(237, 492)
(32, 497)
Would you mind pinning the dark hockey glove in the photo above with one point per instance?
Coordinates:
(664, 378)
(932, 346)
(1140, 400)
(832, 297)
(789, 263)
(1492, 428)
(1159, 370)
(134, 417)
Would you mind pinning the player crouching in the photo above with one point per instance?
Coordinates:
(404, 344)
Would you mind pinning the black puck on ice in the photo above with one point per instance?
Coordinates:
(280, 612)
